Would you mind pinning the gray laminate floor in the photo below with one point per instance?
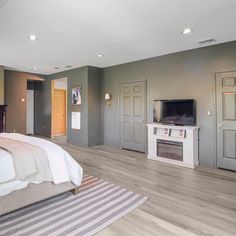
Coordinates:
(181, 201)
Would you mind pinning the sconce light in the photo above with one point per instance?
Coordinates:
(108, 99)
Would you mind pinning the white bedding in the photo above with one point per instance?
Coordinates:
(7, 172)
(62, 166)
(11, 186)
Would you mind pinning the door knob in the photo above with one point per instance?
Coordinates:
(219, 125)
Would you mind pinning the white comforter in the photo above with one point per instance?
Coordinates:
(7, 171)
(62, 166)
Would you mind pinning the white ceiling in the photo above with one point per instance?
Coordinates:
(73, 32)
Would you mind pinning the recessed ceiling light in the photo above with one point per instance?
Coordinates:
(33, 37)
(187, 31)
(100, 55)
(35, 68)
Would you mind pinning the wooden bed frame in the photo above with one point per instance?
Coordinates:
(32, 194)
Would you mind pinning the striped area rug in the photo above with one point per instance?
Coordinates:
(98, 205)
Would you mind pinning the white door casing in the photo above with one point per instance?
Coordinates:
(30, 112)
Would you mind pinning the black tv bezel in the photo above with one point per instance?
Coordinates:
(176, 100)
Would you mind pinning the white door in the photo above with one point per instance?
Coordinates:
(133, 116)
(226, 120)
(30, 112)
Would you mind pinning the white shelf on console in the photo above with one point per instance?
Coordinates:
(187, 136)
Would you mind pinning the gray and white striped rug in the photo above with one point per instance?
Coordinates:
(98, 205)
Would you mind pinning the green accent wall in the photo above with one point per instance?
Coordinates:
(94, 107)
(189, 74)
(90, 80)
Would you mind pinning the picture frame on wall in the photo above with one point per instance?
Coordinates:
(75, 120)
(76, 95)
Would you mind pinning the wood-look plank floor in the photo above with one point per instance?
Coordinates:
(181, 201)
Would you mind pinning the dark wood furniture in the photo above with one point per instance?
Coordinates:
(3, 109)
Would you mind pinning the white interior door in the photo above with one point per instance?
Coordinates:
(226, 120)
(30, 112)
(133, 116)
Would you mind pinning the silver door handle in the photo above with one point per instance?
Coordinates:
(219, 125)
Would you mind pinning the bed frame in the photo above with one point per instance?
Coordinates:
(32, 194)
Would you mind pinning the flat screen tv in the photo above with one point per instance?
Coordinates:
(176, 112)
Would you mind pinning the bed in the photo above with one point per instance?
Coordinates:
(34, 169)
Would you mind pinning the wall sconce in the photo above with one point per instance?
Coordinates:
(108, 99)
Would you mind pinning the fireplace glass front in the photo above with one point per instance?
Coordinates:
(170, 149)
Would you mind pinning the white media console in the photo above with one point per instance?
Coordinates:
(173, 144)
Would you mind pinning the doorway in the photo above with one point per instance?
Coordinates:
(30, 112)
(132, 107)
(226, 119)
(59, 107)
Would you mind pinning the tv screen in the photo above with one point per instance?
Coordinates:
(178, 112)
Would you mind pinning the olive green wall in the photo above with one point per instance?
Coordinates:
(189, 74)
(90, 80)
(75, 77)
(1, 85)
(94, 107)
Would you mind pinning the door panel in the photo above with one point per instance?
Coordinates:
(138, 133)
(126, 89)
(138, 89)
(138, 100)
(228, 82)
(229, 144)
(127, 105)
(226, 120)
(59, 112)
(126, 132)
(229, 108)
(132, 116)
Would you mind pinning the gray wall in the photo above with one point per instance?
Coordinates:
(89, 79)
(75, 77)
(1, 85)
(189, 74)
(78, 77)
(94, 107)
